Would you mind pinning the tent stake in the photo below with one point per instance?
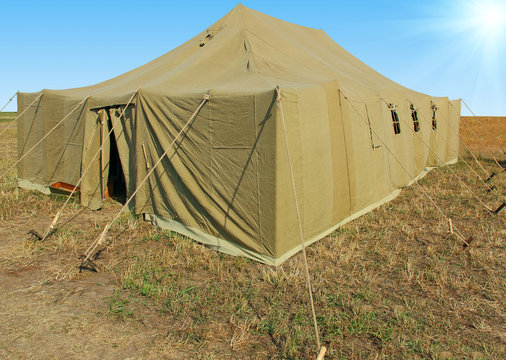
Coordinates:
(498, 210)
(321, 355)
(490, 177)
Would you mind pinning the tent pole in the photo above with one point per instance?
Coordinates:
(52, 226)
(17, 117)
(47, 134)
(101, 239)
(457, 232)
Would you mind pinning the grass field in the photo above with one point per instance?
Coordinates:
(484, 131)
(391, 284)
(7, 116)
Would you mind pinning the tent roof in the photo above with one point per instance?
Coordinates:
(246, 51)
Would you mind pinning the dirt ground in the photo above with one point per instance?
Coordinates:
(387, 285)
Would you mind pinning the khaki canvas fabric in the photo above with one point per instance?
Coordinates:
(226, 181)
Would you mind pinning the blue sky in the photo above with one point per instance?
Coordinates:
(454, 48)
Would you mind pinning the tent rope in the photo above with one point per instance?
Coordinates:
(467, 147)
(45, 136)
(301, 234)
(57, 216)
(8, 102)
(101, 239)
(483, 126)
(472, 154)
(457, 232)
(17, 117)
(479, 141)
(443, 162)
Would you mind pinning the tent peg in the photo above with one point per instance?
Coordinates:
(498, 210)
(321, 355)
(490, 177)
(492, 188)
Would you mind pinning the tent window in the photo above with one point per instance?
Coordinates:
(395, 120)
(434, 120)
(414, 116)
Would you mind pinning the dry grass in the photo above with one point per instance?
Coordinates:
(391, 284)
(485, 131)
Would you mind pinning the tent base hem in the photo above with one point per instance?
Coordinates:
(230, 248)
(30, 185)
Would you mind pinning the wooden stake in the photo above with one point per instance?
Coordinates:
(451, 226)
(321, 355)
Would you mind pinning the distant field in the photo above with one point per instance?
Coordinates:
(7, 116)
(488, 131)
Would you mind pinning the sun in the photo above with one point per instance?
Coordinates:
(490, 17)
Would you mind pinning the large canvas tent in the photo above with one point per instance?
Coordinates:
(227, 182)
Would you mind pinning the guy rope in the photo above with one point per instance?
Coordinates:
(101, 239)
(17, 117)
(52, 226)
(479, 140)
(45, 136)
(445, 164)
(483, 126)
(457, 232)
(299, 221)
(8, 102)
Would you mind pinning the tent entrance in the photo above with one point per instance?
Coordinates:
(115, 186)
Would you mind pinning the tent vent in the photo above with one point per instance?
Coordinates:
(395, 119)
(434, 121)
(414, 116)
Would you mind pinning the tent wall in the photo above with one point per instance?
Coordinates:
(219, 177)
(341, 167)
(226, 181)
(54, 159)
(454, 127)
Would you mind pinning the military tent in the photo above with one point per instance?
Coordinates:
(227, 181)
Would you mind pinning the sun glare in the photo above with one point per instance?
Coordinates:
(491, 17)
